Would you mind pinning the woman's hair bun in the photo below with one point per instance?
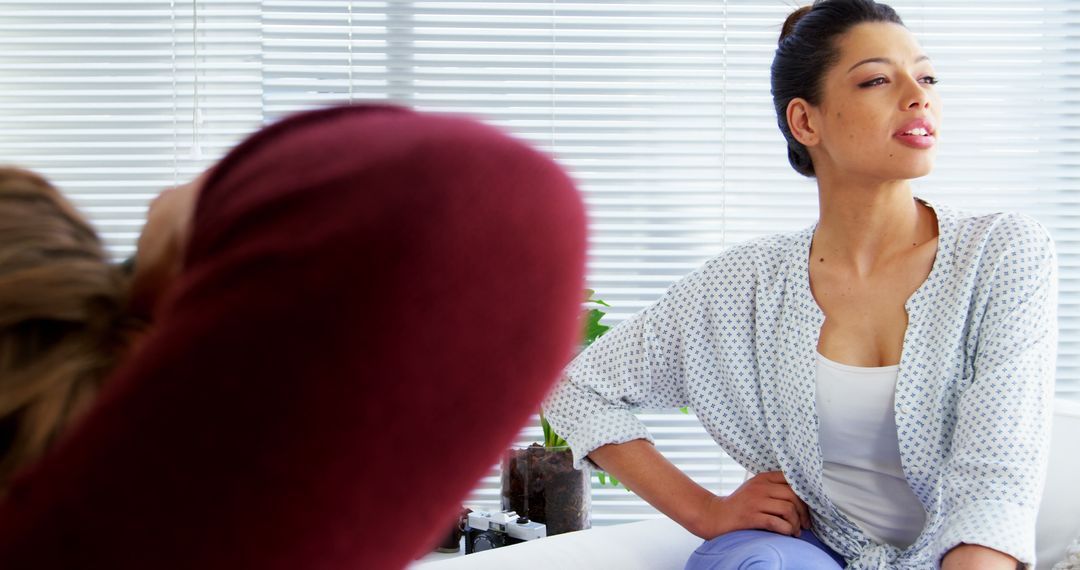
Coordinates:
(792, 19)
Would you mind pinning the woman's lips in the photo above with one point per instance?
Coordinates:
(917, 141)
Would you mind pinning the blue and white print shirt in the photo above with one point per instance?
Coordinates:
(736, 341)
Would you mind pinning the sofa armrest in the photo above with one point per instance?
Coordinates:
(655, 544)
(1059, 522)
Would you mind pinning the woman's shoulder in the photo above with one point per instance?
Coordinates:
(738, 270)
(983, 241)
(1000, 223)
(764, 254)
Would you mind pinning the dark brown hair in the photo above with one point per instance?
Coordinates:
(63, 321)
(807, 50)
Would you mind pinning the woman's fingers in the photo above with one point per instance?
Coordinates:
(804, 513)
(780, 489)
(784, 492)
(766, 501)
(774, 477)
(775, 524)
(785, 510)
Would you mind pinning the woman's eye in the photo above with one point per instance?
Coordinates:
(930, 80)
(873, 82)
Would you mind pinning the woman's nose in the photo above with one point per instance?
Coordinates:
(916, 96)
(920, 102)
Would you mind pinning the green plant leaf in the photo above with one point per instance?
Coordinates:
(593, 328)
(551, 439)
(589, 298)
(606, 478)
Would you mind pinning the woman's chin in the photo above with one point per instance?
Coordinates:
(911, 170)
(920, 172)
(921, 165)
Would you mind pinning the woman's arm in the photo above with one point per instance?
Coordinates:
(763, 502)
(993, 473)
(645, 362)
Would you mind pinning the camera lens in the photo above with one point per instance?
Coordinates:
(488, 540)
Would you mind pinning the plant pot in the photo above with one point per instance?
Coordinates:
(542, 484)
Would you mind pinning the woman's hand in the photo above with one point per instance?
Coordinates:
(976, 557)
(161, 247)
(764, 501)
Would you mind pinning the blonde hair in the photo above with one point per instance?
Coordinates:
(63, 322)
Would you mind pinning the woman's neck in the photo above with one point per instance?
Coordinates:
(862, 226)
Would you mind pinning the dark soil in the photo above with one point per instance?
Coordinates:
(558, 495)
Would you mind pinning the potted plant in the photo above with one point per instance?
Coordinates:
(540, 481)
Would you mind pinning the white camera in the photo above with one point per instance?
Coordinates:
(487, 530)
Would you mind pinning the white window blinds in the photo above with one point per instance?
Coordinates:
(661, 111)
(114, 101)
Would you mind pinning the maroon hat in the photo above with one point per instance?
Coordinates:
(373, 303)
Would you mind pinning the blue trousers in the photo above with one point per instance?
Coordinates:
(764, 550)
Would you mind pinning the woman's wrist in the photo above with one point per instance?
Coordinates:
(974, 556)
(645, 471)
(701, 520)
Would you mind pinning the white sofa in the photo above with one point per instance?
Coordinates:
(661, 544)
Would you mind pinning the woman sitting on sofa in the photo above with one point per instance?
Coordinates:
(344, 286)
(887, 373)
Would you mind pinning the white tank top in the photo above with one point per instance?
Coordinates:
(862, 472)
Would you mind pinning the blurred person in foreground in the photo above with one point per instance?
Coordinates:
(293, 374)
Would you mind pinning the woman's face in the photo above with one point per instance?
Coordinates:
(160, 253)
(880, 114)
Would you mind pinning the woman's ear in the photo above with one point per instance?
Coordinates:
(801, 121)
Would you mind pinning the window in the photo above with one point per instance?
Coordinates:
(661, 110)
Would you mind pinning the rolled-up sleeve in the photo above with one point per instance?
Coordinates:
(637, 364)
(997, 462)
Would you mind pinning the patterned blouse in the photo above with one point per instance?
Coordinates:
(736, 340)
